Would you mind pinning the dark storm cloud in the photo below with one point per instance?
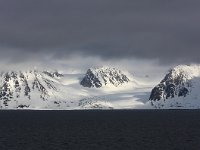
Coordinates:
(164, 30)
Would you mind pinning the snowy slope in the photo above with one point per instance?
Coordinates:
(29, 88)
(50, 90)
(179, 88)
(126, 96)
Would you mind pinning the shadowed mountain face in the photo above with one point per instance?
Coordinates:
(174, 84)
(104, 76)
(179, 89)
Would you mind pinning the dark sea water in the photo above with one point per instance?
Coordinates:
(91, 130)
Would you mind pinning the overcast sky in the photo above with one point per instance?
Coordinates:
(165, 32)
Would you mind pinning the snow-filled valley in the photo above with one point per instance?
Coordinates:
(51, 90)
(100, 88)
(127, 96)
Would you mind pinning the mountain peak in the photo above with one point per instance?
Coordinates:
(98, 77)
(179, 87)
(175, 83)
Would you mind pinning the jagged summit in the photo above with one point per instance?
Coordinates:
(180, 82)
(98, 77)
(177, 82)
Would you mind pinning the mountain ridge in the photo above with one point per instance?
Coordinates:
(109, 88)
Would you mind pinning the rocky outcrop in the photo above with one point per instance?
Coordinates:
(176, 83)
(104, 76)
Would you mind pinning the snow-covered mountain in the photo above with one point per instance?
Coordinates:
(21, 89)
(104, 76)
(179, 88)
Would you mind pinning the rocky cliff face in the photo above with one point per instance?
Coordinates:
(99, 77)
(173, 84)
(180, 81)
(180, 84)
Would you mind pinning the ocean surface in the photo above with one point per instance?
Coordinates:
(100, 129)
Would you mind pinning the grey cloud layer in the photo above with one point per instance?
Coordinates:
(164, 30)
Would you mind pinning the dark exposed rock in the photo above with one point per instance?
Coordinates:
(172, 85)
(90, 80)
(183, 92)
(157, 92)
(23, 106)
(53, 74)
(103, 76)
